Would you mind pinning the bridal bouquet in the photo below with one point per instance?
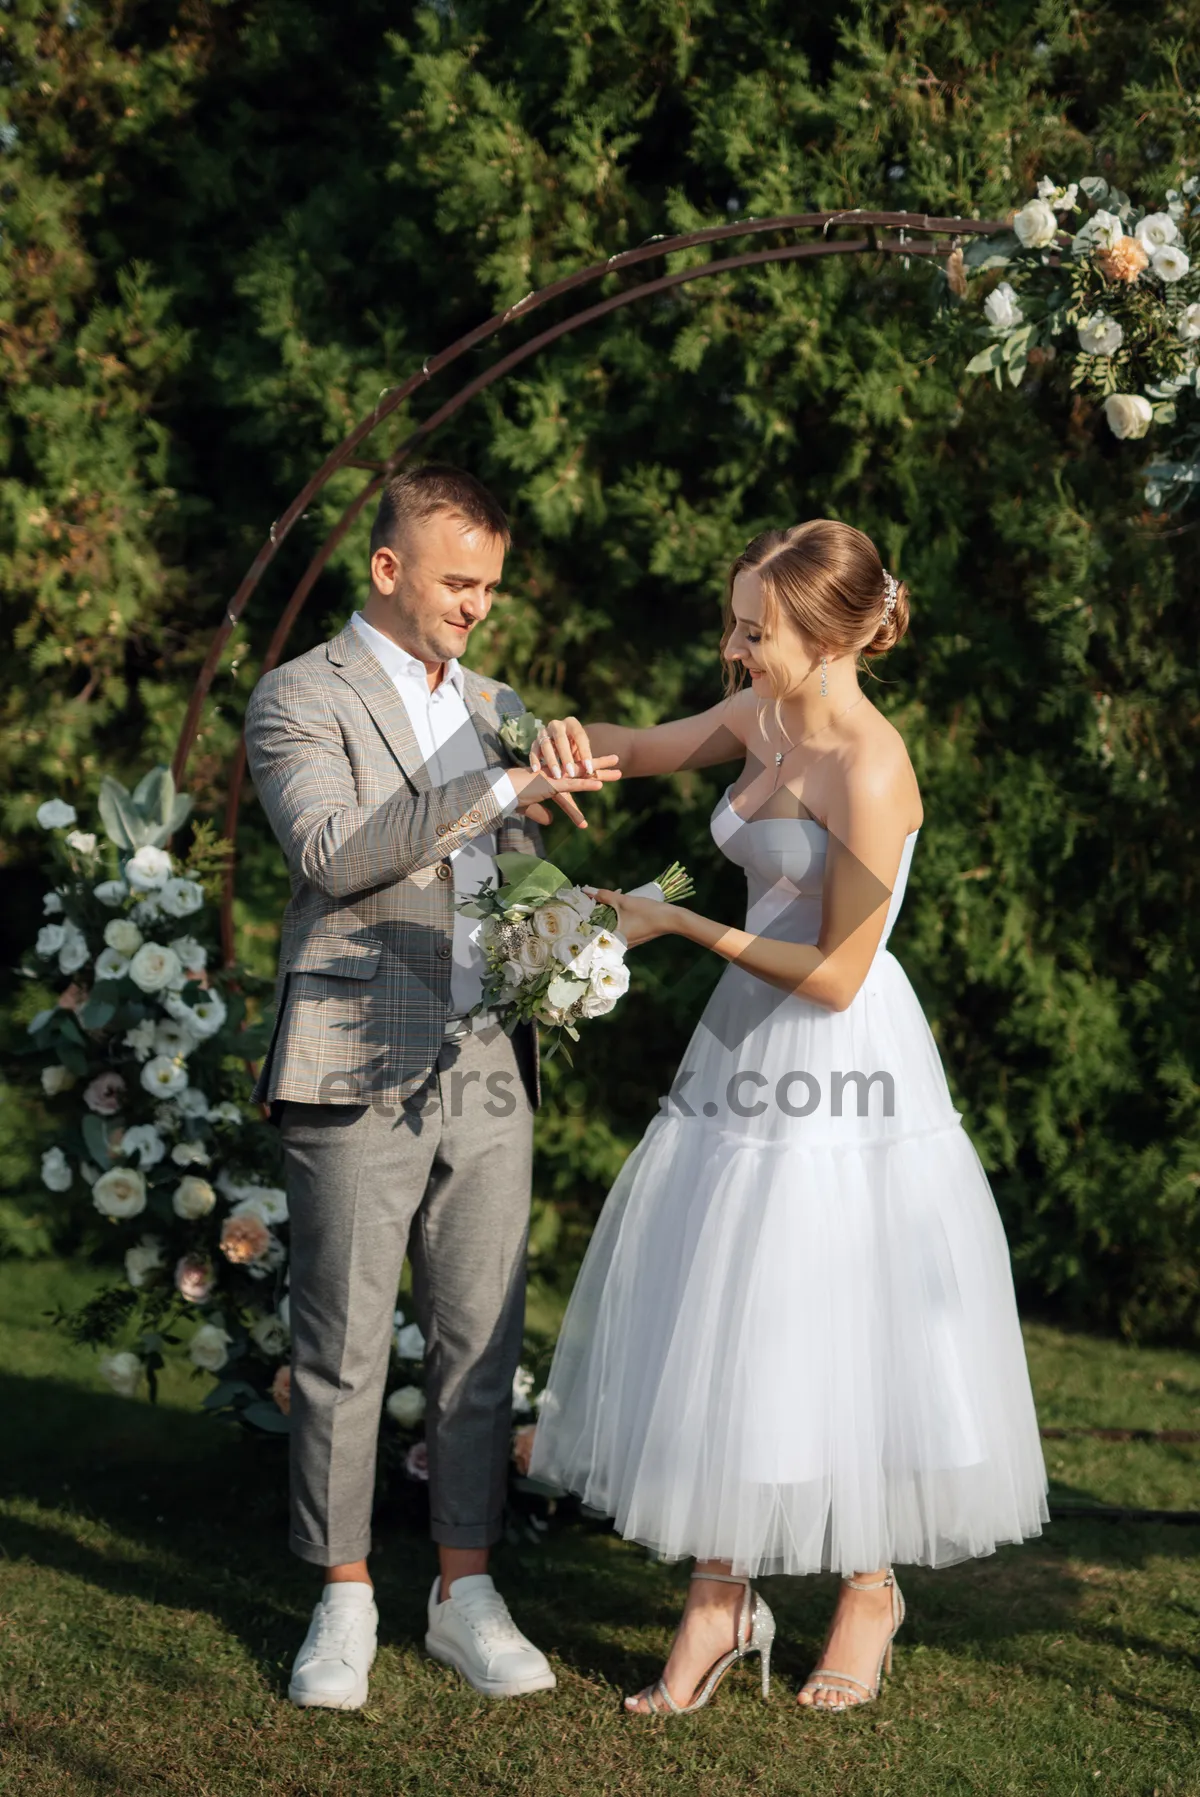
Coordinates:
(553, 954)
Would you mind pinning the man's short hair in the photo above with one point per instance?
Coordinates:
(418, 493)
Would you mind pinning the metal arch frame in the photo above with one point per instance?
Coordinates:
(344, 455)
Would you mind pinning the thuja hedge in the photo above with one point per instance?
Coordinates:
(229, 226)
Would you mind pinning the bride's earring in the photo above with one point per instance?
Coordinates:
(824, 676)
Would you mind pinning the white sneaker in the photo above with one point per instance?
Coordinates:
(473, 1632)
(330, 1671)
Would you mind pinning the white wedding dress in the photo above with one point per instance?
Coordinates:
(793, 1343)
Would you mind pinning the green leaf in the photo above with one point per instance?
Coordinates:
(986, 360)
(266, 1416)
(96, 1137)
(154, 796)
(227, 1392)
(113, 804)
(96, 1013)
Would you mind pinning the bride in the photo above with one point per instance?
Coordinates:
(793, 1344)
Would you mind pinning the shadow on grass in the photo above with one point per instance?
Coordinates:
(193, 1514)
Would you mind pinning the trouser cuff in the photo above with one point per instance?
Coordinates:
(480, 1534)
(340, 1554)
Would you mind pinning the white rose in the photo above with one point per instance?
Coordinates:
(111, 893)
(268, 1203)
(562, 992)
(1155, 231)
(1103, 228)
(142, 1260)
(606, 984)
(123, 935)
(406, 1406)
(1036, 225)
(56, 814)
(74, 952)
(1002, 308)
(1189, 322)
(50, 939)
(175, 1040)
(110, 965)
(554, 920)
(123, 1372)
(410, 1343)
(149, 869)
(190, 1154)
(575, 951)
(56, 1170)
(52, 904)
(192, 954)
(1170, 263)
(180, 897)
(163, 1077)
(140, 1038)
(581, 902)
(121, 1192)
(154, 967)
(209, 1347)
(82, 841)
(143, 1140)
(1100, 335)
(193, 1198)
(513, 974)
(55, 1080)
(533, 955)
(1128, 414)
(270, 1334)
(203, 1019)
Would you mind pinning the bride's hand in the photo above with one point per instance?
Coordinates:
(638, 919)
(562, 747)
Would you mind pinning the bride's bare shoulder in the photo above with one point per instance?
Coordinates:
(876, 762)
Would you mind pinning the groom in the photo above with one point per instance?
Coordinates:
(406, 1125)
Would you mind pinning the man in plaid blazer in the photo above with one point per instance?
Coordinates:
(406, 1123)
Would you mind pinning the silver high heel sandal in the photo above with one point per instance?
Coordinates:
(755, 1623)
(826, 1679)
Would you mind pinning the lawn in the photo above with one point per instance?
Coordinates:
(149, 1611)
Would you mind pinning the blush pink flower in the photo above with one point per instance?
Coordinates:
(72, 997)
(281, 1388)
(194, 1278)
(244, 1239)
(416, 1461)
(104, 1094)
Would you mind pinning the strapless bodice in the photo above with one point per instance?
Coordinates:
(784, 862)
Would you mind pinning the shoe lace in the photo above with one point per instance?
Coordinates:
(487, 1614)
(334, 1629)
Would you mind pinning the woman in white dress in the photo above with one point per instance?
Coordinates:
(793, 1345)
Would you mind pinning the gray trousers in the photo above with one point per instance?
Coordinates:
(445, 1176)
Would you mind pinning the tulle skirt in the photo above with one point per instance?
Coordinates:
(793, 1343)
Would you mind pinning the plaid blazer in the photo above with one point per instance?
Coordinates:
(364, 962)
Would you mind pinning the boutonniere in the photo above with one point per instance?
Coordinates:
(517, 733)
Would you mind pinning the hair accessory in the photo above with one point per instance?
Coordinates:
(889, 593)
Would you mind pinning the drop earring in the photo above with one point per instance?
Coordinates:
(824, 677)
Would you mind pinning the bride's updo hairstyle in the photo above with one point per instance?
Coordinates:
(827, 580)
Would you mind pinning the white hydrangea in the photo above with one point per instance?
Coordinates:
(56, 814)
(148, 870)
(56, 1170)
(141, 1038)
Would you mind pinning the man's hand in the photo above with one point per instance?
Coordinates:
(533, 786)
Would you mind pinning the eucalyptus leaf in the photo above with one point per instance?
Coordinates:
(96, 1137)
(986, 360)
(96, 1013)
(154, 796)
(112, 799)
(267, 1417)
(1095, 187)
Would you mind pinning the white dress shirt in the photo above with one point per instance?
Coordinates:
(447, 740)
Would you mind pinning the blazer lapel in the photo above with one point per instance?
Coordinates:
(358, 668)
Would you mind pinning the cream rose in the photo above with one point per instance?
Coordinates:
(209, 1347)
(554, 920)
(56, 1079)
(123, 934)
(1036, 225)
(121, 1192)
(122, 1371)
(406, 1406)
(143, 1260)
(534, 955)
(1100, 335)
(1128, 414)
(193, 1198)
(1002, 308)
(154, 967)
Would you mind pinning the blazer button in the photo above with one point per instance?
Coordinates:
(444, 870)
(443, 951)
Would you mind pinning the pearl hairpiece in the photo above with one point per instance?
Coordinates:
(889, 593)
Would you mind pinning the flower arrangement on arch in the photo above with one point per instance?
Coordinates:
(1112, 289)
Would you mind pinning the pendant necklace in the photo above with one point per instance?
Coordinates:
(779, 753)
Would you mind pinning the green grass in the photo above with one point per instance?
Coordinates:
(149, 1611)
